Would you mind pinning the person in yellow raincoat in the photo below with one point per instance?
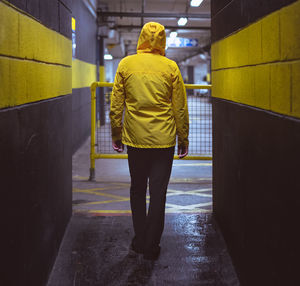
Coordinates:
(150, 88)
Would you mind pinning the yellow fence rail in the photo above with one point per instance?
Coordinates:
(94, 155)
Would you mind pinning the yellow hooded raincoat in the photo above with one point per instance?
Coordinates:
(151, 89)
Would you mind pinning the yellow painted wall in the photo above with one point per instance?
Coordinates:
(35, 62)
(260, 64)
(83, 74)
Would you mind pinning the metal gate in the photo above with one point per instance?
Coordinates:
(200, 135)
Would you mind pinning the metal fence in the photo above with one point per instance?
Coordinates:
(200, 116)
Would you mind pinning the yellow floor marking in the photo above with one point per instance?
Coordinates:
(110, 211)
(187, 207)
(129, 211)
(172, 180)
(170, 211)
(105, 202)
(170, 208)
(186, 180)
(80, 178)
(100, 194)
(76, 190)
(192, 164)
(193, 193)
(106, 188)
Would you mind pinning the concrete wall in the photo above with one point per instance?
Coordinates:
(84, 72)
(256, 136)
(35, 141)
(44, 117)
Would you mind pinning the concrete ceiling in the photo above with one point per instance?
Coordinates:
(128, 28)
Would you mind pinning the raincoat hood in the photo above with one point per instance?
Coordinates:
(152, 39)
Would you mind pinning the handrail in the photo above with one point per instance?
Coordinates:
(94, 156)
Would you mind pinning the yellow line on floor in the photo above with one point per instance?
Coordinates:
(105, 202)
(187, 207)
(110, 211)
(168, 212)
(188, 180)
(98, 194)
(172, 180)
(129, 211)
(187, 211)
(192, 164)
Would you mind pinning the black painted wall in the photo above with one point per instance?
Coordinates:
(256, 190)
(256, 163)
(36, 171)
(229, 16)
(35, 148)
(86, 32)
(81, 114)
(55, 14)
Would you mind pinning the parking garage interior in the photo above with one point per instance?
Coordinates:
(232, 209)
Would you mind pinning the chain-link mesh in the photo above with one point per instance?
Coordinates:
(200, 136)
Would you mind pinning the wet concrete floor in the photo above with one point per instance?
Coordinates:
(95, 249)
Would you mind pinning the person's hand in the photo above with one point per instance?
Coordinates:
(182, 151)
(118, 146)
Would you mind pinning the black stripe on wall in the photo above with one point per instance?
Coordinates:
(36, 187)
(54, 14)
(81, 114)
(86, 33)
(256, 191)
(230, 16)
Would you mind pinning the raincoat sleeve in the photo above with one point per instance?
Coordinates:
(117, 106)
(180, 108)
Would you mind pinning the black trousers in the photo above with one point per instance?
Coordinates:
(155, 165)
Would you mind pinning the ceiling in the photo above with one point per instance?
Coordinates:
(123, 32)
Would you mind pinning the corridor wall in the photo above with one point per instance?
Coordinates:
(35, 136)
(256, 136)
(84, 72)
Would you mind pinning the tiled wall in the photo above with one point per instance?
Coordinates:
(256, 136)
(36, 136)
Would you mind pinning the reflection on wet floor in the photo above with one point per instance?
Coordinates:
(112, 198)
(95, 249)
(95, 252)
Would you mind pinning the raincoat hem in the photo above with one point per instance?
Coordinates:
(147, 146)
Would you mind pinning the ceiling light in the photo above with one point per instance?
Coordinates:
(173, 34)
(196, 3)
(182, 21)
(108, 57)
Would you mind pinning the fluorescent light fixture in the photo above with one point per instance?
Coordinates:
(108, 57)
(182, 21)
(196, 3)
(173, 34)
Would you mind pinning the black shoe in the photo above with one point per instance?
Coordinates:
(135, 248)
(153, 254)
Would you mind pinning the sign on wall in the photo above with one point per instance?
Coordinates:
(181, 42)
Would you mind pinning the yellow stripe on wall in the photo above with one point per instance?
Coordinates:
(35, 62)
(24, 37)
(23, 81)
(259, 65)
(83, 74)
